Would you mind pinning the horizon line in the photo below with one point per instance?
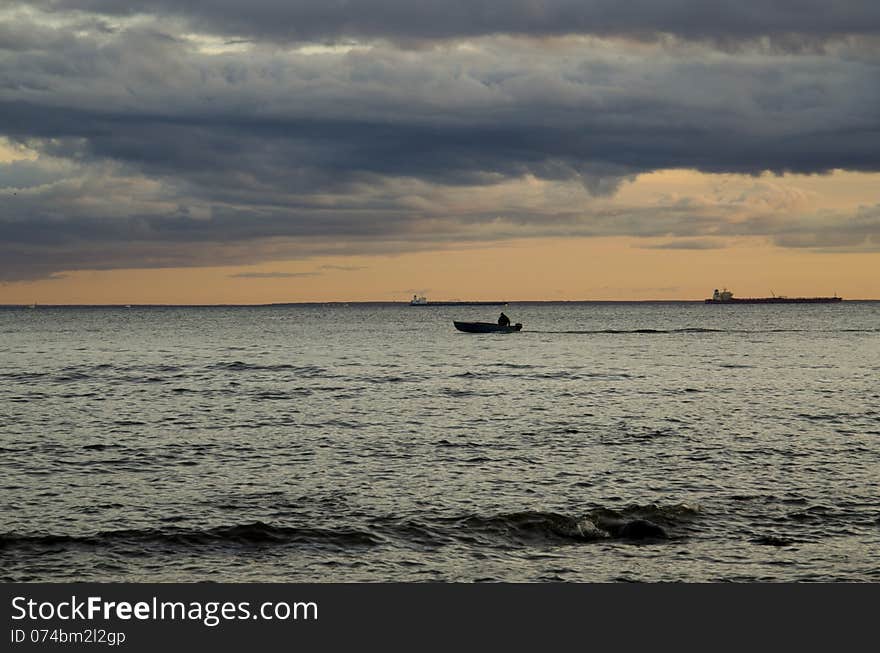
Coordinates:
(371, 301)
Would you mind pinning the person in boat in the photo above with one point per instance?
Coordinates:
(503, 320)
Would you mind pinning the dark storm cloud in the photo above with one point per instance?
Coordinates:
(41, 258)
(414, 20)
(301, 122)
(156, 153)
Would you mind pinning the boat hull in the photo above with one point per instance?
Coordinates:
(486, 327)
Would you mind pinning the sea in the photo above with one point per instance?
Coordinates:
(605, 442)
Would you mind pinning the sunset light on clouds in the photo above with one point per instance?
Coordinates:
(269, 151)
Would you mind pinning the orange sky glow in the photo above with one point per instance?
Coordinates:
(533, 268)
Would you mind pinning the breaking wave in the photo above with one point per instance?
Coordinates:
(507, 530)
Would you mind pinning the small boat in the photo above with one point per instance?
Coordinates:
(486, 327)
(418, 300)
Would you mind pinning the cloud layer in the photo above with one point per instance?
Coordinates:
(414, 20)
(151, 143)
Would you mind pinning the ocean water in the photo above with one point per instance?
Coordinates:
(370, 442)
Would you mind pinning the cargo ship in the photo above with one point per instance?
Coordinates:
(423, 301)
(726, 297)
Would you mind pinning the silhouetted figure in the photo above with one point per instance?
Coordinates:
(503, 320)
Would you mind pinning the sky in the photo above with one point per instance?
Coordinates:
(182, 151)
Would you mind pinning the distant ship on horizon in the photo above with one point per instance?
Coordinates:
(726, 297)
(421, 300)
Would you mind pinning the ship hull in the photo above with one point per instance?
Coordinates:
(459, 304)
(776, 300)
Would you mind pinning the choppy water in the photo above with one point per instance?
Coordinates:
(605, 442)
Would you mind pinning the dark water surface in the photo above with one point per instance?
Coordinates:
(648, 442)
